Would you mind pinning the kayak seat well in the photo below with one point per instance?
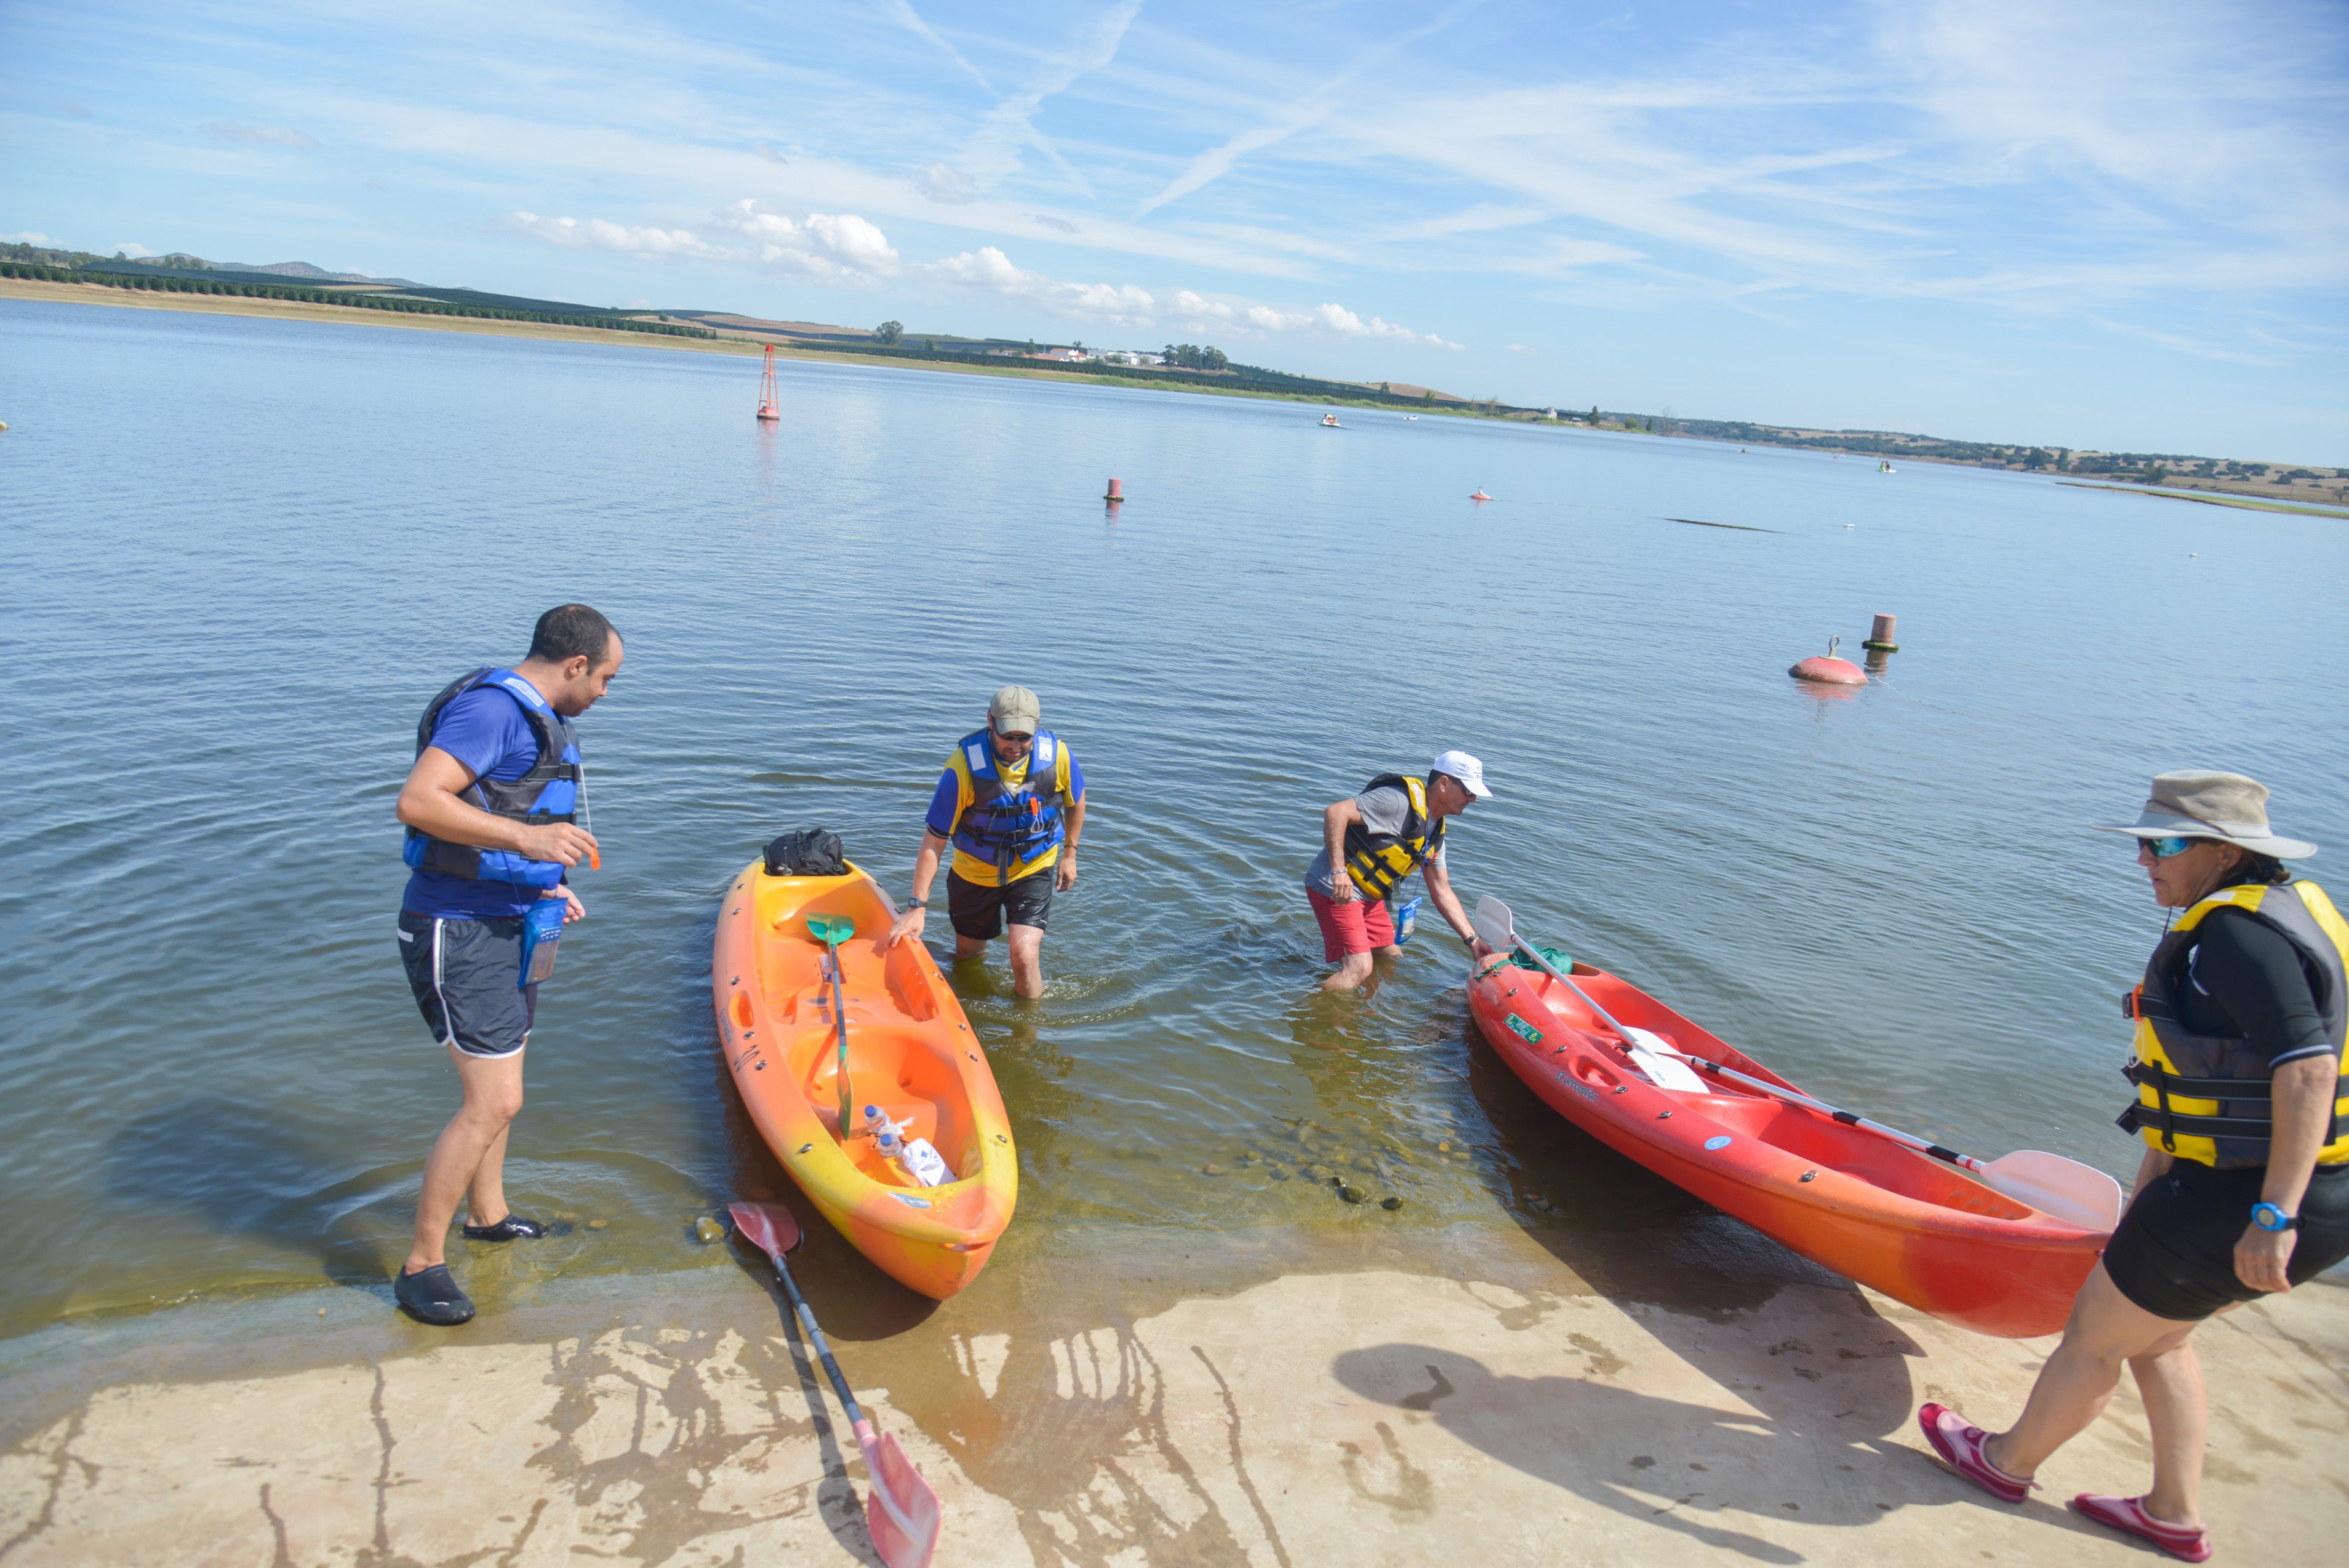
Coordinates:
(902, 1073)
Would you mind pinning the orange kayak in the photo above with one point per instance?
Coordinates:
(1894, 1219)
(911, 1052)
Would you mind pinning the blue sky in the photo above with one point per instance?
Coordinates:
(2121, 225)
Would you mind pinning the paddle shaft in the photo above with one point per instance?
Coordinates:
(800, 1310)
(1910, 1140)
(840, 1018)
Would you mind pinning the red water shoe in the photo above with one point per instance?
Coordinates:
(1959, 1444)
(2192, 1542)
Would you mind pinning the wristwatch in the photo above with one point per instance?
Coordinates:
(917, 903)
(2268, 1217)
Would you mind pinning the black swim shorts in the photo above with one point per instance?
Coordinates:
(2174, 1253)
(979, 912)
(463, 974)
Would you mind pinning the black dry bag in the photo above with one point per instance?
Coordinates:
(811, 853)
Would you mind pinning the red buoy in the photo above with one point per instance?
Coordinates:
(1116, 492)
(1830, 670)
(767, 409)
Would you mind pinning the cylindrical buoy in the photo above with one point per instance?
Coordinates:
(1830, 670)
(1879, 640)
(1116, 490)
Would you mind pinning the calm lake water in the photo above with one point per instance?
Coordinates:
(240, 555)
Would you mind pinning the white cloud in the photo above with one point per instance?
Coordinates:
(842, 248)
(946, 184)
(1337, 318)
(29, 237)
(1522, 349)
(261, 135)
(989, 269)
(594, 233)
(1189, 306)
(134, 250)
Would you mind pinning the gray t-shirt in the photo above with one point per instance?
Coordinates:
(1383, 811)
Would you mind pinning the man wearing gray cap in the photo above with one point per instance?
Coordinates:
(1011, 801)
(1394, 827)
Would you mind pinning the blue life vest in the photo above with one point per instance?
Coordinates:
(1008, 827)
(548, 793)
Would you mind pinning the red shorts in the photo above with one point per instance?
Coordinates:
(1359, 925)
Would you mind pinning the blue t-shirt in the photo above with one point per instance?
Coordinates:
(484, 729)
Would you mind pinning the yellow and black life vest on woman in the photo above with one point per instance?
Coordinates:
(1378, 862)
(2206, 1098)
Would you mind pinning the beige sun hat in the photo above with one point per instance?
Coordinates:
(2226, 808)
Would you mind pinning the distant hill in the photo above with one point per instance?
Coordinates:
(301, 269)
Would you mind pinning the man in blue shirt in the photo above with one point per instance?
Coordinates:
(1012, 803)
(491, 808)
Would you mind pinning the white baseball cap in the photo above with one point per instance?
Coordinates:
(1468, 770)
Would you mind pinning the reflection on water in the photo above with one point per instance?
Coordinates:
(259, 571)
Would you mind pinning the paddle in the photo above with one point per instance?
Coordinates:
(902, 1515)
(832, 931)
(2047, 1182)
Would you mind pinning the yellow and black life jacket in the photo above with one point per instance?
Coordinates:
(1378, 862)
(2206, 1098)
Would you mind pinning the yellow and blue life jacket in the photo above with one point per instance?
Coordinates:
(1007, 828)
(2207, 1097)
(549, 793)
(1378, 862)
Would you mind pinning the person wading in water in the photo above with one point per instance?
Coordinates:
(2243, 1188)
(1012, 804)
(490, 808)
(1394, 827)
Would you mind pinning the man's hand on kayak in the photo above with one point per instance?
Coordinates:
(908, 924)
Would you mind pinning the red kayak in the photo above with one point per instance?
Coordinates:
(1896, 1220)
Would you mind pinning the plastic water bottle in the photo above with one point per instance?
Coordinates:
(875, 1124)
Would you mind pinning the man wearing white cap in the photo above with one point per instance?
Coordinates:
(1012, 805)
(1394, 827)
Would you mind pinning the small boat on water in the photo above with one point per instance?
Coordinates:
(911, 1052)
(1884, 465)
(1331, 422)
(1478, 494)
(1894, 1219)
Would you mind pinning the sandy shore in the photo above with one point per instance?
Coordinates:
(1374, 1416)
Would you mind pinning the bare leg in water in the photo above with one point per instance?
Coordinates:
(469, 1156)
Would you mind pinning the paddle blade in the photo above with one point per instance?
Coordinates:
(770, 1227)
(831, 930)
(2054, 1185)
(902, 1513)
(1495, 923)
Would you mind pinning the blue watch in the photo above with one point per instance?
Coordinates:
(2268, 1217)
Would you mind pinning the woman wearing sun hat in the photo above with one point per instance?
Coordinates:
(2243, 1188)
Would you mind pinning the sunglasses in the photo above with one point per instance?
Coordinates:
(1016, 737)
(2163, 849)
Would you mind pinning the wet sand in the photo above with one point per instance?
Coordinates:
(1502, 1406)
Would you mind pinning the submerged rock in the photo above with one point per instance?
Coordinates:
(710, 1231)
(597, 1224)
(1390, 1204)
(1211, 1169)
(1351, 1194)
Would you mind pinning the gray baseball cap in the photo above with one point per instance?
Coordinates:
(1015, 711)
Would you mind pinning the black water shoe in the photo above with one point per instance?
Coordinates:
(512, 1228)
(430, 1296)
